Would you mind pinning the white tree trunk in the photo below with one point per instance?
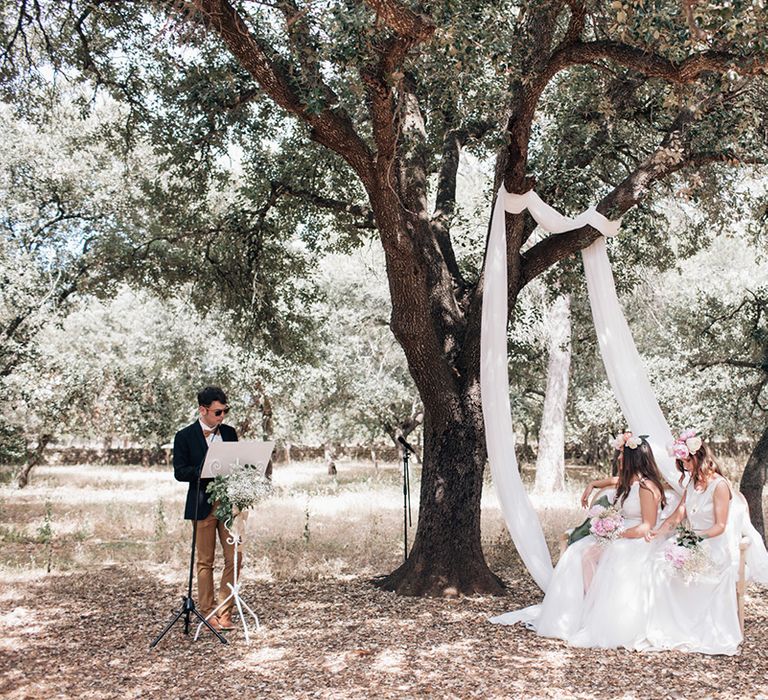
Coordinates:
(550, 461)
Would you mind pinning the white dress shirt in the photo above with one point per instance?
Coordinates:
(214, 437)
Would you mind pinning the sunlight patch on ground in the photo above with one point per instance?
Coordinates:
(390, 661)
(72, 495)
(92, 475)
(335, 663)
(265, 655)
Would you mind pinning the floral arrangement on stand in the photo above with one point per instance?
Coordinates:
(685, 554)
(234, 494)
(606, 523)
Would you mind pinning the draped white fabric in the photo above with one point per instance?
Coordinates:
(521, 519)
(623, 364)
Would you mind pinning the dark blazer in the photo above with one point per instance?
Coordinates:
(189, 449)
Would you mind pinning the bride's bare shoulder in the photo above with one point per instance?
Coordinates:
(650, 486)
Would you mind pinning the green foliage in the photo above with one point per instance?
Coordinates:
(45, 531)
(685, 537)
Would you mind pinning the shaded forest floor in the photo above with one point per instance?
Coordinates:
(117, 553)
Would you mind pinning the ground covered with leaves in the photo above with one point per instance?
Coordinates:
(83, 630)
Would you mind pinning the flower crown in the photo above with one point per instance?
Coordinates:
(627, 439)
(686, 445)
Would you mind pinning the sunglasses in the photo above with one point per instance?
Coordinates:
(219, 411)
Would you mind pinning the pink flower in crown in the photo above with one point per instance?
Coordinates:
(680, 450)
(686, 444)
(621, 439)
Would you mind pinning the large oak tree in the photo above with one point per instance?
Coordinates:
(360, 111)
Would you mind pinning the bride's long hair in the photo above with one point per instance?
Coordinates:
(704, 466)
(638, 462)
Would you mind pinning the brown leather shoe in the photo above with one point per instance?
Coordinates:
(215, 623)
(225, 620)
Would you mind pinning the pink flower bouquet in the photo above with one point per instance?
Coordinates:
(685, 554)
(606, 524)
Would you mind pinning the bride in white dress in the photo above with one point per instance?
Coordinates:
(598, 593)
(700, 615)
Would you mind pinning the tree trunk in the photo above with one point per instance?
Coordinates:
(374, 457)
(33, 460)
(446, 558)
(550, 461)
(267, 418)
(330, 455)
(753, 480)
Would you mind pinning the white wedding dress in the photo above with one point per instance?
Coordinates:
(700, 616)
(614, 610)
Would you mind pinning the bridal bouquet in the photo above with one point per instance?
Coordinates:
(237, 491)
(606, 523)
(685, 554)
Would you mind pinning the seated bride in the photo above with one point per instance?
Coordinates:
(693, 584)
(599, 593)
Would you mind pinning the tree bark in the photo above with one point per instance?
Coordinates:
(446, 558)
(550, 461)
(753, 481)
(22, 479)
(330, 458)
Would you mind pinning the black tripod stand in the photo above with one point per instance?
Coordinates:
(188, 605)
(407, 520)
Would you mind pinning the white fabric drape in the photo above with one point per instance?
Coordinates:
(623, 364)
(521, 519)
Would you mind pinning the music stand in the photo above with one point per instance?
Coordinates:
(220, 461)
(188, 604)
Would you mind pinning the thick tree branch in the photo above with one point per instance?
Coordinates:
(378, 80)
(445, 204)
(403, 21)
(331, 127)
(362, 212)
(576, 22)
(670, 157)
(653, 65)
(761, 365)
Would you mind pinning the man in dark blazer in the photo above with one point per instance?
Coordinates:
(189, 449)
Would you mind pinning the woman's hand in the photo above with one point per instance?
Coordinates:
(651, 535)
(585, 495)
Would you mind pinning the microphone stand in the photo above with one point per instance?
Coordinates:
(188, 605)
(407, 520)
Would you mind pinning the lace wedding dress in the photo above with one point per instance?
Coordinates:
(700, 615)
(614, 610)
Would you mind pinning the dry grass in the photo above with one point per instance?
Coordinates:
(118, 552)
(314, 526)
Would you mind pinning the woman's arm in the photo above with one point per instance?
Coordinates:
(649, 510)
(597, 484)
(675, 518)
(722, 502)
